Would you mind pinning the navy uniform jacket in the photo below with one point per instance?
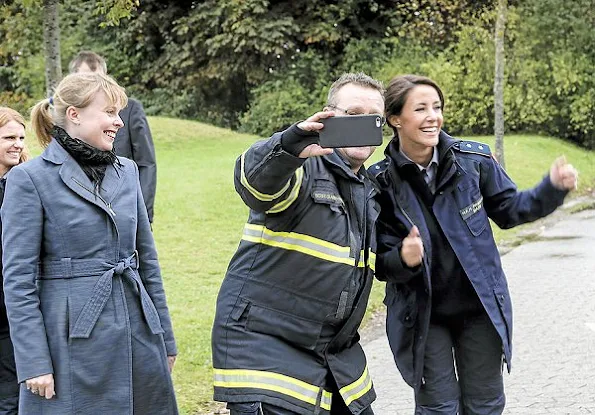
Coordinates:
(297, 287)
(471, 188)
(134, 141)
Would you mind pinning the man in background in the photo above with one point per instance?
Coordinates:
(134, 140)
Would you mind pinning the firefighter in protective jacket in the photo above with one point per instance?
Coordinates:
(285, 335)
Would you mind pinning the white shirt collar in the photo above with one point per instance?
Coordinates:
(431, 165)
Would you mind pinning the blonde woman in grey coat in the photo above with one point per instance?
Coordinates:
(83, 289)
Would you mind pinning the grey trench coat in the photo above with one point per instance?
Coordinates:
(83, 290)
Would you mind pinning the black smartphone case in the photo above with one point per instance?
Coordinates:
(351, 131)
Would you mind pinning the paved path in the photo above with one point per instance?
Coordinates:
(552, 284)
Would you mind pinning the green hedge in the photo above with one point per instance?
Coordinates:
(549, 90)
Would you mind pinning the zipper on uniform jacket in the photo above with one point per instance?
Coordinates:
(108, 205)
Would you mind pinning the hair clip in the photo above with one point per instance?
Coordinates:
(51, 101)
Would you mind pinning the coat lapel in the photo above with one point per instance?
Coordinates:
(73, 176)
(112, 182)
(76, 180)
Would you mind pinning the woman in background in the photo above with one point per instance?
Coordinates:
(84, 294)
(12, 152)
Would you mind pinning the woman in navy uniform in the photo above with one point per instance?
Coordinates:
(449, 320)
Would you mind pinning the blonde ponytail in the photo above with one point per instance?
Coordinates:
(42, 122)
(77, 90)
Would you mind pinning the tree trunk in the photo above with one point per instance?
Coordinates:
(51, 40)
(499, 81)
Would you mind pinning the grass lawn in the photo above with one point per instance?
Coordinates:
(199, 220)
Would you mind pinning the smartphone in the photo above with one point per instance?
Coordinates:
(351, 131)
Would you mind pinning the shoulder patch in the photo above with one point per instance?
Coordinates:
(474, 147)
(378, 167)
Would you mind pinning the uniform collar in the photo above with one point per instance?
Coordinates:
(433, 164)
(337, 160)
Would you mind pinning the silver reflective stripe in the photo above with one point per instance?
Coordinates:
(357, 389)
(293, 195)
(258, 195)
(275, 382)
(298, 242)
(342, 305)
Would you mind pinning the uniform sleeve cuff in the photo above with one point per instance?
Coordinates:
(294, 139)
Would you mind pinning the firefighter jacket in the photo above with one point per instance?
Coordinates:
(298, 285)
(471, 187)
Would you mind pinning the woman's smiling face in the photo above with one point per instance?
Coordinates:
(12, 142)
(99, 122)
(421, 119)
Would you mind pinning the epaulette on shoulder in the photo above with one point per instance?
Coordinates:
(474, 147)
(379, 167)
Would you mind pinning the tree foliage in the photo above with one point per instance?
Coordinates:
(259, 64)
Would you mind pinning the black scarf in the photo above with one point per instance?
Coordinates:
(93, 161)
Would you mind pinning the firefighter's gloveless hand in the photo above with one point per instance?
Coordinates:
(313, 124)
(412, 250)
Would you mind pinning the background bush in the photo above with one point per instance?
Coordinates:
(259, 65)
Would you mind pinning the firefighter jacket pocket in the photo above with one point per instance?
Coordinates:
(296, 330)
(326, 192)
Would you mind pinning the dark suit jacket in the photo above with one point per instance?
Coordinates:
(134, 141)
(3, 318)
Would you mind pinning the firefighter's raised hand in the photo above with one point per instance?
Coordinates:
(563, 175)
(313, 124)
(412, 250)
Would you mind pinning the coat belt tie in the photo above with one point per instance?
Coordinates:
(101, 293)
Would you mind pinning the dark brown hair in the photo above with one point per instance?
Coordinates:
(398, 90)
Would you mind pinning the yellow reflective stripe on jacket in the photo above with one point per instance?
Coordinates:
(276, 382)
(295, 191)
(371, 260)
(293, 241)
(357, 389)
(258, 195)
